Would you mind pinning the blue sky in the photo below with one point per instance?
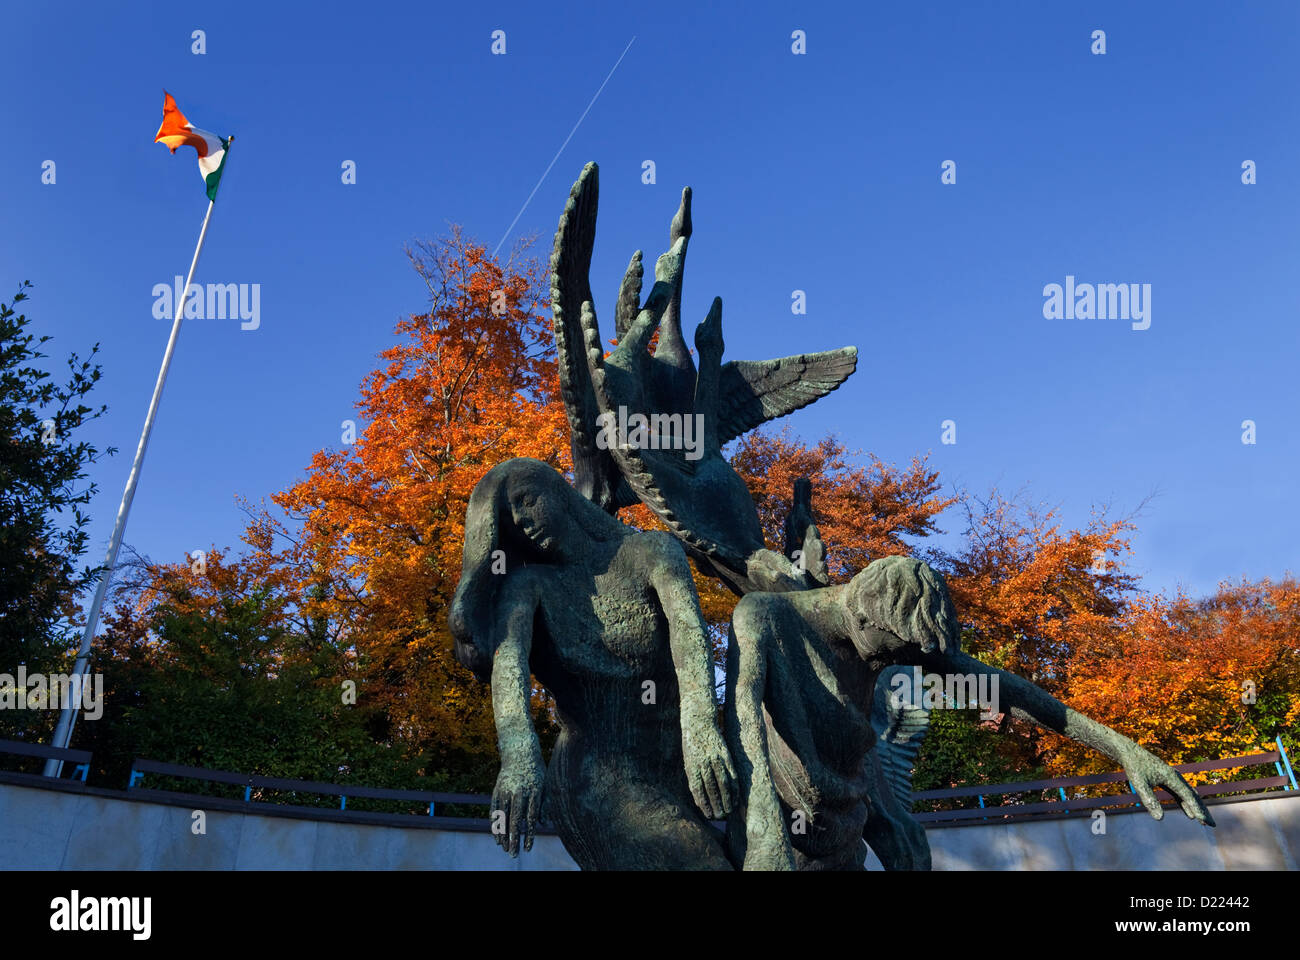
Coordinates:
(818, 172)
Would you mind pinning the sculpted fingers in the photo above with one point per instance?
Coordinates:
(1148, 798)
(726, 784)
(1188, 799)
(697, 789)
(534, 815)
(715, 809)
(516, 821)
(731, 767)
(499, 814)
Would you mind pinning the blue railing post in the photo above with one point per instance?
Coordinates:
(81, 772)
(430, 808)
(343, 802)
(136, 777)
(1286, 760)
(1061, 791)
(248, 793)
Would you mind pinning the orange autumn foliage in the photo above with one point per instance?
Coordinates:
(863, 511)
(380, 524)
(1027, 591)
(1193, 679)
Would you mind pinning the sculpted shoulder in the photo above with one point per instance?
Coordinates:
(658, 548)
(817, 610)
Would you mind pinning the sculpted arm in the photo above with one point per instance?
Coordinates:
(709, 769)
(1145, 770)
(518, 792)
(759, 841)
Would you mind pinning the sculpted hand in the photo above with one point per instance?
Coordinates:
(708, 768)
(1146, 771)
(518, 795)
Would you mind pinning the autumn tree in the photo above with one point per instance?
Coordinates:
(1194, 679)
(1027, 591)
(864, 510)
(375, 529)
(346, 576)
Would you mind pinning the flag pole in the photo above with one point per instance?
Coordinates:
(68, 715)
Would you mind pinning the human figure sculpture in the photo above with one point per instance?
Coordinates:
(802, 671)
(607, 619)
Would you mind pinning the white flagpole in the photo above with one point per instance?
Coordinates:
(68, 716)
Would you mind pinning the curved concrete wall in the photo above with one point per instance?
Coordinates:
(43, 828)
(1258, 834)
(54, 829)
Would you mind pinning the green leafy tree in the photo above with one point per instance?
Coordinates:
(43, 491)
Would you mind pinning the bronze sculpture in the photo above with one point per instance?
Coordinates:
(802, 672)
(607, 619)
(553, 584)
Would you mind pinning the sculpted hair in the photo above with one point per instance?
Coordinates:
(907, 598)
(490, 525)
(471, 614)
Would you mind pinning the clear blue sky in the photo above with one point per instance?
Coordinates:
(818, 172)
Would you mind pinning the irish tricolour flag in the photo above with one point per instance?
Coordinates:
(177, 131)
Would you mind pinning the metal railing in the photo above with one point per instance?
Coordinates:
(254, 785)
(19, 748)
(257, 789)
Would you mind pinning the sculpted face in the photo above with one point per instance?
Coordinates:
(522, 507)
(540, 519)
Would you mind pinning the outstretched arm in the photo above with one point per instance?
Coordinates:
(1145, 770)
(518, 792)
(709, 769)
